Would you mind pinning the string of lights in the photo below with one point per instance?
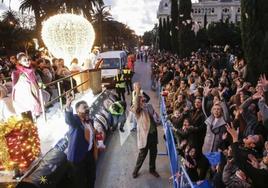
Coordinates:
(68, 36)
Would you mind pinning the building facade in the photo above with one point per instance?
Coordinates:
(213, 10)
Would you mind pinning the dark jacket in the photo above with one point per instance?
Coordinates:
(166, 78)
(250, 118)
(188, 134)
(198, 121)
(77, 145)
(259, 177)
(230, 179)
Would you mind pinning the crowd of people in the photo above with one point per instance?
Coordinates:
(220, 120)
(23, 77)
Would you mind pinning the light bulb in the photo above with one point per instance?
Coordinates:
(68, 36)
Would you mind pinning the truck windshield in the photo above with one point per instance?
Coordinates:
(111, 63)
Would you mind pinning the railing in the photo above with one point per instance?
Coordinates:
(61, 93)
(179, 175)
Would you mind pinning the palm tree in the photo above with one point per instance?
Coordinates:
(86, 6)
(101, 14)
(9, 17)
(35, 6)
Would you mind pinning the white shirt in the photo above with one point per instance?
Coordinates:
(91, 131)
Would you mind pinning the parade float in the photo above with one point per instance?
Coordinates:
(22, 164)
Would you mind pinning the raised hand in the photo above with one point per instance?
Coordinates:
(207, 90)
(253, 161)
(263, 81)
(231, 130)
(257, 95)
(69, 99)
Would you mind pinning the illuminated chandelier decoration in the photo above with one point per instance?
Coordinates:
(68, 36)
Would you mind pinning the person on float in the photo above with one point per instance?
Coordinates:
(82, 149)
(25, 92)
(75, 67)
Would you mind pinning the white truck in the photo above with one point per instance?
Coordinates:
(112, 62)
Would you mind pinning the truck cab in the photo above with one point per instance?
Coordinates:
(112, 62)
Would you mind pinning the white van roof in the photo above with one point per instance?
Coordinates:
(112, 54)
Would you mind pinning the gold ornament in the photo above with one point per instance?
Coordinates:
(11, 148)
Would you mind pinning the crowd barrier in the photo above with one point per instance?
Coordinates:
(180, 177)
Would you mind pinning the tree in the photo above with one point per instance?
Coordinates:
(167, 35)
(43, 9)
(161, 35)
(223, 33)
(100, 15)
(10, 17)
(205, 21)
(14, 38)
(35, 6)
(174, 26)
(117, 35)
(86, 6)
(186, 36)
(150, 37)
(202, 38)
(254, 28)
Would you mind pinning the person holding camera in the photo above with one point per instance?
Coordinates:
(81, 146)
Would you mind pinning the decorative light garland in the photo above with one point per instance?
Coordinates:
(68, 36)
(19, 143)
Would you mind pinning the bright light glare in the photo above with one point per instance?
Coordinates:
(68, 36)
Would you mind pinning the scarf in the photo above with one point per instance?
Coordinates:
(28, 72)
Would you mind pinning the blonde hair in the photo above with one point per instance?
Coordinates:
(217, 104)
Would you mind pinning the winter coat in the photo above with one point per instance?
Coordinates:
(77, 145)
(188, 134)
(25, 94)
(250, 118)
(144, 123)
(230, 179)
(259, 177)
(198, 121)
(214, 134)
(166, 78)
